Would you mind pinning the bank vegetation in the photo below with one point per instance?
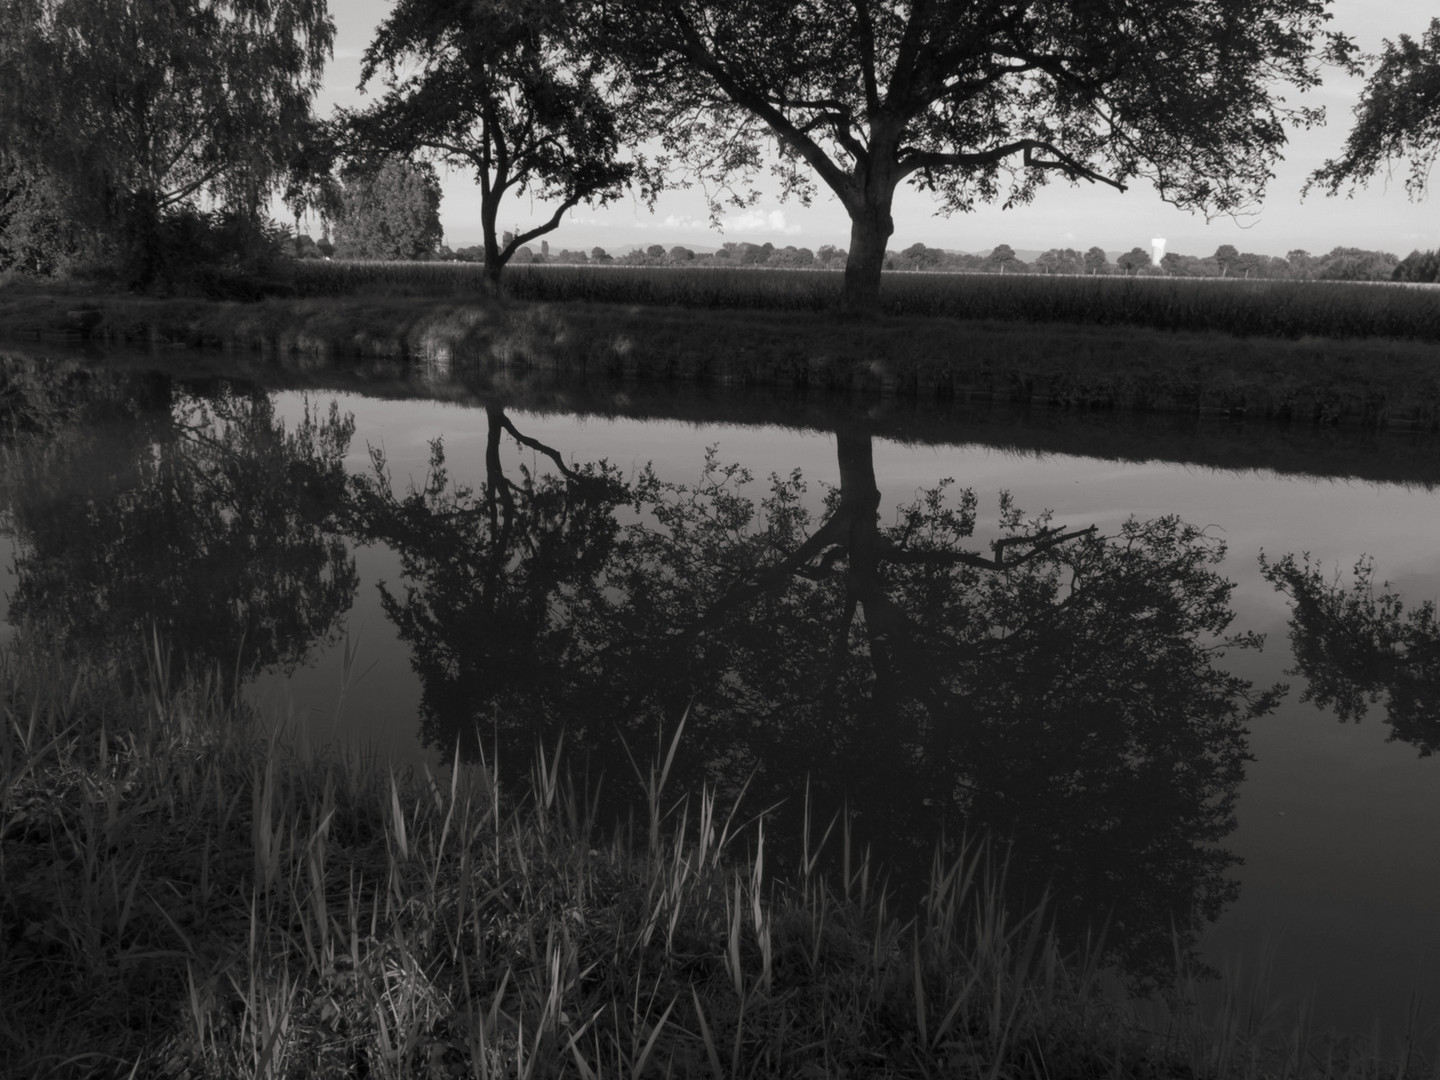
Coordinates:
(190, 892)
(1313, 352)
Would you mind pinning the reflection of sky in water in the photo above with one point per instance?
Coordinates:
(1337, 827)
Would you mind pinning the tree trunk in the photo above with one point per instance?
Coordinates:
(144, 257)
(870, 230)
(490, 282)
(489, 213)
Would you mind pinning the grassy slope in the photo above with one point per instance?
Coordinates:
(1375, 381)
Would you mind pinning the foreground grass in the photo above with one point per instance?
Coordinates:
(185, 897)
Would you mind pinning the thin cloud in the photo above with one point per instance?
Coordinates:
(753, 221)
(685, 223)
(750, 221)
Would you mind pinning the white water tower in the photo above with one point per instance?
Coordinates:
(1157, 249)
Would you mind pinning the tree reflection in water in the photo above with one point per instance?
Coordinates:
(492, 580)
(1356, 648)
(1060, 691)
(144, 513)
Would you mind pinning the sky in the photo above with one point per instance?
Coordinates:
(1381, 216)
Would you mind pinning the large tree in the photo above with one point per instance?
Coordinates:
(973, 100)
(1397, 117)
(139, 109)
(507, 88)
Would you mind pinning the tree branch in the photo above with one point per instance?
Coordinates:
(915, 160)
(544, 227)
(699, 53)
(866, 32)
(535, 444)
(1043, 542)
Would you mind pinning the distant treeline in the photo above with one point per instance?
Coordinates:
(1340, 264)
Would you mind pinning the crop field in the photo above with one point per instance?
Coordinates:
(1285, 309)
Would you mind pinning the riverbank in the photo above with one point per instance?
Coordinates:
(1372, 382)
(188, 894)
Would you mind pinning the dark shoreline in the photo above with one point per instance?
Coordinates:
(1390, 455)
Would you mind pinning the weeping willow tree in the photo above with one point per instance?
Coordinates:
(139, 112)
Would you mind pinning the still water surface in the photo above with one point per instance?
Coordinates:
(1071, 691)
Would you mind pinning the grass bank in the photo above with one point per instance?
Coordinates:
(187, 895)
(1260, 308)
(1376, 382)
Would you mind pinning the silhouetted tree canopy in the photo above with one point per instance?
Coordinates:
(508, 89)
(974, 102)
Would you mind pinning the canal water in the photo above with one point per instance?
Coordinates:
(1185, 675)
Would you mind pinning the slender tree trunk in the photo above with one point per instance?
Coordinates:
(870, 230)
(491, 280)
(489, 213)
(144, 257)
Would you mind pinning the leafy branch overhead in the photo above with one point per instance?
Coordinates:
(1396, 119)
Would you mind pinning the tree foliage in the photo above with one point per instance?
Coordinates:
(139, 109)
(1059, 690)
(36, 234)
(1396, 119)
(508, 89)
(389, 212)
(973, 102)
(1418, 266)
(1356, 264)
(1061, 261)
(1134, 260)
